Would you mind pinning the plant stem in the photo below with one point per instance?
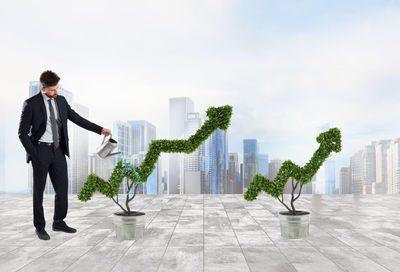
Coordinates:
(116, 202)
(292, 200)
(283, 202)
(301, 186)
(136, 187)
(127, 197)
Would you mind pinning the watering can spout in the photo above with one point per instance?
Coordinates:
(105, 148)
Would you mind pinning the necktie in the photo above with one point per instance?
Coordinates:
(54, 127)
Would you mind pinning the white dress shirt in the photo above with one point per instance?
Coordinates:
(48, 134)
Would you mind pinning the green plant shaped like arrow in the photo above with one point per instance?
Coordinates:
(217, 118)
(329, 141)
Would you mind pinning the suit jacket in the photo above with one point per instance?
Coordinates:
(32, 124)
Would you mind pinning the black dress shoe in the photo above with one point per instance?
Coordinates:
(64, 228)
(42, 235)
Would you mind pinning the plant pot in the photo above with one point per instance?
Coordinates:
(129, 227)
(294, 226)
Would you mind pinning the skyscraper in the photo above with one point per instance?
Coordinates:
(274, 167)
(234, 184)
(101, 167)
(263, 165)
(356, 172)
(193, 161)
(151, 186)
(369, 167)
(122, 134)
(141, 134)
(218, 162)
(179, 107)
(382, 175)
(330, 177)
(345, 180)
(325, 182)
(241, 176)
(250, 160)
(394, 167)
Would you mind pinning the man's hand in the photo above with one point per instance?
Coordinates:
(106, 131)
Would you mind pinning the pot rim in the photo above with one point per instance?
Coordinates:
(286, 213)
(133, 214)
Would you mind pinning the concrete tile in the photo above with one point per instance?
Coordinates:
(20, 257)
(140, 259)
(267, 259)
(86, 238)
(308, 259)
(155, 237)
(57, 259)
(348, 259)
(186, 237)
(182, 259)
(254, 240)
(385, 256)
(98, 258)
(224, 259)
(220, 239)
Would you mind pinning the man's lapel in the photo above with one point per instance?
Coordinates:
(42, 106)
(60, 109)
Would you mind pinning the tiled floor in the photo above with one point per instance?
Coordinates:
(206, 233)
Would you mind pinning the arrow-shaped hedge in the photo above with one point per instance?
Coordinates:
(329, 141)
(217, 118)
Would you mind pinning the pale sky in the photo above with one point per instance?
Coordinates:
(286, 67)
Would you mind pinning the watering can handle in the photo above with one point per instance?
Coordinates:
(105, 138)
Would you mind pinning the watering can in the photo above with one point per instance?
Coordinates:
(105, 148)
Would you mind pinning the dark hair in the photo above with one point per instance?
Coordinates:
(49, 78)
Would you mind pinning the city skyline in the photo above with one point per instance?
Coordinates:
(373, 169)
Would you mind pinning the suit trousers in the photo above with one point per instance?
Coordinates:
(52, 162)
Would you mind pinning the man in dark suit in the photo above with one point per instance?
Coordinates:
(43, 132)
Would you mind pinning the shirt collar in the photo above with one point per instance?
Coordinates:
(45, 97)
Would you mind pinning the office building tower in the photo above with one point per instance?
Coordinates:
(356, 172)
(263, 165)
(241, 177)
(345, 180)
(141, 134)
(330, 177)
(122, 134)
(382, 177)
(250, 160)
(273, 168)
(179, 108)
(103, 168)
(151, 186)
(192, 161)
(218, 162)
(394, 167)
(234, 184)
(369, 167)
(326, 175)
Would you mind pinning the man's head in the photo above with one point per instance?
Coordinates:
(49, 81)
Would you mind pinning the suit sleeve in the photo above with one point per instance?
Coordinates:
(24, 129)
(82, 122)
